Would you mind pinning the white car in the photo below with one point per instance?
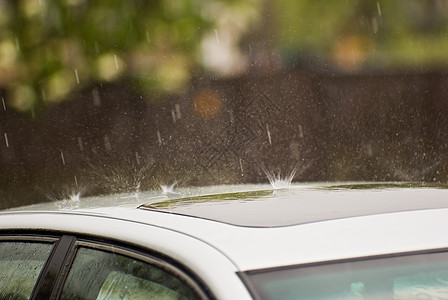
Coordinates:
(311, 241)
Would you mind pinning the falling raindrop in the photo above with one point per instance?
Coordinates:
(17, 44)
(159, 138)
(173, 115)
(269, 134)
(6, 140)
(241, 166)
(178, 112)
(378, 7)
(147, 36)
(137, 158)
(300, 131)
(77, 76)
(96, 97)
(107, 144)
(116, 62)
(76, 181)
(81, 146)
(4, 104)
(62, 158)
(231, 116)
(217, 36)
(374, 25)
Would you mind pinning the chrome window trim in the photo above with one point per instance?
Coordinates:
(28, 238)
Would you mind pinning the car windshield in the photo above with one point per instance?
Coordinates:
(110, 96)
(423, 276)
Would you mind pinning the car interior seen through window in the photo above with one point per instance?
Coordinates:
(102, 275)
(423, 276)
(20, 266)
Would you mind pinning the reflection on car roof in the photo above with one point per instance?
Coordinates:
(305, 204)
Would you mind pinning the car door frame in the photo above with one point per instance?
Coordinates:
(53, 275)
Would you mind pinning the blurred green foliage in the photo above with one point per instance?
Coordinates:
(49, 48)
(359, 33)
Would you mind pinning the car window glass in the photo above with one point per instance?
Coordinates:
(407, 277)
(20, 266)
(105, 275)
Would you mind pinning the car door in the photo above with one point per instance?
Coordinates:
(69, 267)
(22, 260)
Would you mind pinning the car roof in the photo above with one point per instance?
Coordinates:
(262, 206)
(372, 219)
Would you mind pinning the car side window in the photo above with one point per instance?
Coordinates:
(20, 266)
(99, 274)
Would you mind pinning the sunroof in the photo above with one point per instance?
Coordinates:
(303, 205)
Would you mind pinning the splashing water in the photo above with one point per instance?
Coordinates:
(125, 175)
(168, 190)
(72, 201)
(278, 181)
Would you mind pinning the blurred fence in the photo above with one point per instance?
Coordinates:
(108, 138)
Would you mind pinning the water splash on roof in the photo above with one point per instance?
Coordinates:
(278, 180)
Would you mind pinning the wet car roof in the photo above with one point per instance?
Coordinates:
(305, 204)
(329, 230)
(261, 206)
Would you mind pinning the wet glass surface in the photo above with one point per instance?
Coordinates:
(408, 277)
(105, 275)
(20, 266)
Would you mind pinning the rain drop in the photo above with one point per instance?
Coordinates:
(116, 62)
(217, 36)
(241, 166)
(62, 158)
(159, 138)
(137, 158)
(107, 144)
(77, 76)
(231, 116)
(378, 7)
(178, 112)
(374, 25)
(6, 139)
(81, 146)
(269, 134)
(96, 97)
(173, 115)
